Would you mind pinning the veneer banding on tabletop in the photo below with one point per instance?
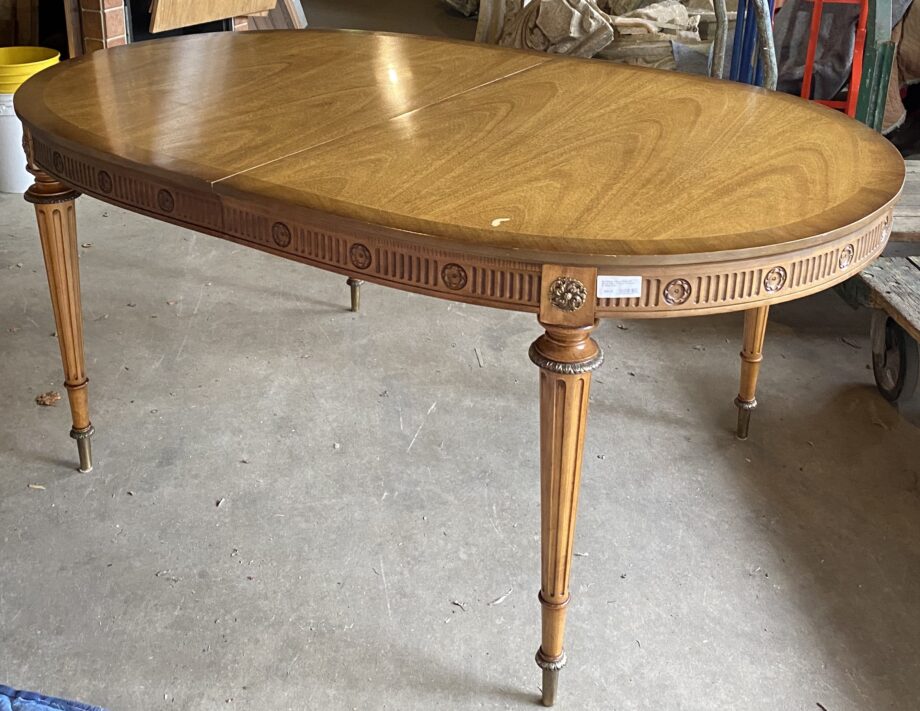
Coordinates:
(715, 282)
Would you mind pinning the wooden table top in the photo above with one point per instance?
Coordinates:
(462, 147)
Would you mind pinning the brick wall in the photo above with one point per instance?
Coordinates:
(104, 24)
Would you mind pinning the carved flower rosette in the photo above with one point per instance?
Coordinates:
(567, 294)
(775, 279)
(677, 291)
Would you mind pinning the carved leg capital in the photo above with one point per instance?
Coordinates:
(47, 190)
(567, 350)
(566, 357)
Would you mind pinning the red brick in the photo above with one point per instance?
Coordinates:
(116, 41)
(114, 22)
(91, 45)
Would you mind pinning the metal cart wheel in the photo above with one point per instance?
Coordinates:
(895, 362)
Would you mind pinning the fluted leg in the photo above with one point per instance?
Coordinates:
(566, 356)
(355, 285)
(57, 227)
(755, 329)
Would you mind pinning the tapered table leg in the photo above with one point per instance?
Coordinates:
(566, 356)
(355, 285)
(755, 329)
(57, 227)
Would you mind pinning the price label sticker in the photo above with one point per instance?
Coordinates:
(619, 287)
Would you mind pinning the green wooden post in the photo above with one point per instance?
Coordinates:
(877, 61)
(870, 107)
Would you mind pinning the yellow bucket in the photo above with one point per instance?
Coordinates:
(19, 63)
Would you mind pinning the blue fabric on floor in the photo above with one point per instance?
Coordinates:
(12, 700)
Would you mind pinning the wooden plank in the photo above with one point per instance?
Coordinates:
(26, 22)
(294, 10)
(901, 249)
(170, 14)
(906, 224)
(7, 22)
(287, 15)
(894, 285)
(74, 28)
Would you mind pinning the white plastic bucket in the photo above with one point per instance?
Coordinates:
(14, 178)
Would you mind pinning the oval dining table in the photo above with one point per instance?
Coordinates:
(575, 190)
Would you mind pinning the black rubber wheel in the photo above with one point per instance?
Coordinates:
(895, 361)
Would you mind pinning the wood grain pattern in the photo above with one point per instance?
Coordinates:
(648, 163)
(171, 14)
(580, 160)
(199, 108)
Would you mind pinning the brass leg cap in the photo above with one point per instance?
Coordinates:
(551, 668)
(745, 407)
(84, 447)
(550, 685)
(355, 285)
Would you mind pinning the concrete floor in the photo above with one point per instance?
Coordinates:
(373, 476)
(372, 473)
(423, 17)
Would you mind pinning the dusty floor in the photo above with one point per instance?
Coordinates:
(373, 475)
(423, 17)
(379, 496)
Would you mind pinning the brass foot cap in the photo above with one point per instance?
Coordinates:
(84, 439)
(550, 686)
(355, 285)
(550, 669)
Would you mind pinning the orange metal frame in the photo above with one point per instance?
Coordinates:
(848, 106)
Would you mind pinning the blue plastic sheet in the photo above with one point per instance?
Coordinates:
(12, 700)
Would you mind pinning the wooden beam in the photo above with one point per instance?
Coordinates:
(7, 23)
(26, 22)
(171, 14)
(894, 287)
(906, 224)
(287, 15)
(74, 28)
